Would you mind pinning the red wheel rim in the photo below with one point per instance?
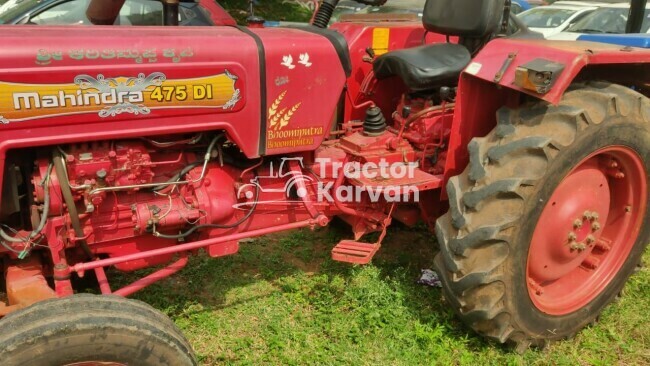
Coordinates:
(587, 230)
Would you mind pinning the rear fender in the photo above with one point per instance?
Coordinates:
(481, 93)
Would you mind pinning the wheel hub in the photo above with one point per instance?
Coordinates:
(586, 230)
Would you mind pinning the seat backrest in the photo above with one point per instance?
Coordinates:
(463, 18)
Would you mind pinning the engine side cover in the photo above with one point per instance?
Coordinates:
(71, 84)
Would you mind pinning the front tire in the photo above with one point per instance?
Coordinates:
(88, 329)
(551, 216)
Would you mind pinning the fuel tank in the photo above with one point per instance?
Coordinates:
(272, 90)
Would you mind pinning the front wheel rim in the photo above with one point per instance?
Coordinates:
(586, 230)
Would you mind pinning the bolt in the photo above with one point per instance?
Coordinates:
(613, 164)
(577, 224)
(591, 239)
(595, 216)
(591, 262)
(595, 226)
(572, 237)
(587, 215)
(579, 247)
(619, 175)
(628, 209)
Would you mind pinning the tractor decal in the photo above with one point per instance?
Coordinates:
(109, 97)
(279, 118)
(151, 55)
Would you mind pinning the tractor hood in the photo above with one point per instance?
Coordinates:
(271, 90)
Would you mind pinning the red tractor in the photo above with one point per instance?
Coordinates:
(127, 148)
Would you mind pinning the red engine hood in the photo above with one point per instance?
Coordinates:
(274, 91)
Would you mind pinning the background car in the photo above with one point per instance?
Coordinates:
(70, 12)
(553, 19)
(397, 7)
(346, 7)
(608, 19)
(519, 6)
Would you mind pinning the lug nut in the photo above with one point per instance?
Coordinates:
(595, 216)
(579, 247)
(613, 164)
(587, 215)
(595, 226)
(572, 237)
(577, 224)
(628, 209)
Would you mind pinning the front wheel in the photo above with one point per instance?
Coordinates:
(551, 217)
(85, 330)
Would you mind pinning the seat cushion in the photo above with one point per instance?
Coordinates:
(423, 68)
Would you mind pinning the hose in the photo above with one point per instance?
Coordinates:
(324, 13)
(59, 166)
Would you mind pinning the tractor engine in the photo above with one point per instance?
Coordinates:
(122, 190)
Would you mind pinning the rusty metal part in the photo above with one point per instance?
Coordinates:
(26, 285)
(504, 68)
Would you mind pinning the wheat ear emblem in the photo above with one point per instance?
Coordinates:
(274, 107)
(280, 119)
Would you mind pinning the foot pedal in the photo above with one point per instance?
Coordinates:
(351, 251)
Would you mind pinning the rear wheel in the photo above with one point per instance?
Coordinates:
(85, 330)
(551, 217)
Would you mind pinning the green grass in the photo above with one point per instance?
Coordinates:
(283, 301)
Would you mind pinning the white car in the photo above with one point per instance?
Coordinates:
(553, 19)
(608, 19)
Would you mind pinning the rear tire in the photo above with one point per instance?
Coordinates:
(486, 239)
(88, 328)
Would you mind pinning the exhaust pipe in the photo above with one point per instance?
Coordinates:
(170, 12)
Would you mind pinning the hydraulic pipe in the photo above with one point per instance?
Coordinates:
(170, 12)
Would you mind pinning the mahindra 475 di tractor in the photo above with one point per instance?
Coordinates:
(127, 148)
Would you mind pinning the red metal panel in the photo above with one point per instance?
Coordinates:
(574, 55)
(185, 56)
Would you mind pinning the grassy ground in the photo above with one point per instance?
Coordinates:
(283, 301)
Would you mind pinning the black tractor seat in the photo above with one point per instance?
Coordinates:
(426, 67)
